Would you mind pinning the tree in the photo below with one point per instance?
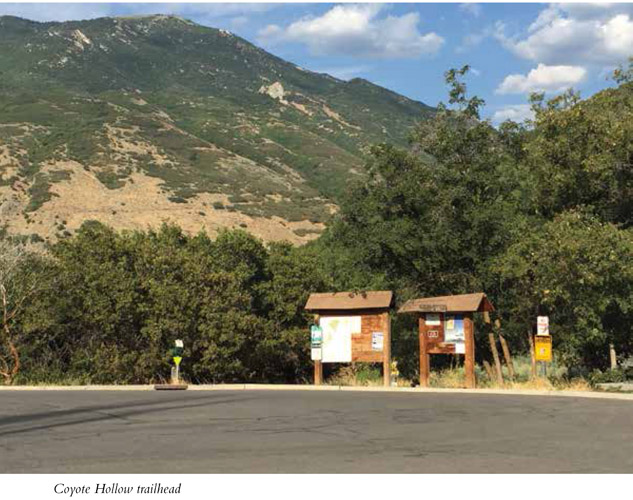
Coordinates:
(127, 296)
(429, 218)
(19, 282)
(469, 205)
(282, 352)
(624, 74)
(580, 153)
(579, 271)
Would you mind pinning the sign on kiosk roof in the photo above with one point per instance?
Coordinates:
(471, 302)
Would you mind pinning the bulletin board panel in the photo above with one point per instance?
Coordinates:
(337, 337)
(370, 344)
(447, 333)
(357, 338)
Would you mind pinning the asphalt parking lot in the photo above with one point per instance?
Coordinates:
(310, 432)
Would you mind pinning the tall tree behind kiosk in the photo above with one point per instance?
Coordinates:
(354, 327)
(446, 327)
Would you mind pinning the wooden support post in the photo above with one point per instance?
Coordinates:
(507, 356)
(425, 362)
(489, 372)
(532, 355)
(318, 373)
(612, 357)
(318, 365)
(469, 361)
(386, 351)
(495, 355)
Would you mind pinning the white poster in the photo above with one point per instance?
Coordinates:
(337, 337)
(454, 329)
(432, 319)
(377, 341)
(542, 325)
(460, 348)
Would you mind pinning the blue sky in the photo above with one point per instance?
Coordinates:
(513, 48)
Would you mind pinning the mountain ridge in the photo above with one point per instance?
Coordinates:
(214, 123)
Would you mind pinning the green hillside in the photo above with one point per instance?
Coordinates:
(200, 109)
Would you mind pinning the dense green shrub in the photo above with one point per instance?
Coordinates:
(609, 376)
(117, 301)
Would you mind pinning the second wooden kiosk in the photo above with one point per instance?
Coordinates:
(446, 327)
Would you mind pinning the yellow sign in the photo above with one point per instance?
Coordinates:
(543, 348)
(177, 360)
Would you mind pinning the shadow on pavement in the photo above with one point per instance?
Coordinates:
(107, 412)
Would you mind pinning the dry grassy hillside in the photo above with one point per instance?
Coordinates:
(135, 121)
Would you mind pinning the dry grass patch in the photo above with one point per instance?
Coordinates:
(140, 203)
(362, 375)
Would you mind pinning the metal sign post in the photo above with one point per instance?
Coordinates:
(543, 344)
(316, 352)
(176, 353)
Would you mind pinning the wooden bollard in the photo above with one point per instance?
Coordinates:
(489, 372)
(532, 355)
(506, 355)
(495, 355)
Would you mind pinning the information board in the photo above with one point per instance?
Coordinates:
(337, 337)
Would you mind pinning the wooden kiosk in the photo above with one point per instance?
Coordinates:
(356, 327)
(446, 327)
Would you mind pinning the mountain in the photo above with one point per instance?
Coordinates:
(134, 121)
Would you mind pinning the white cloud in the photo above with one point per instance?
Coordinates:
(514, 112)
(357, 30)
(270, 31)
(595, 10)
(474, 9)
(543, 79)
(576, 34)
(472, 40)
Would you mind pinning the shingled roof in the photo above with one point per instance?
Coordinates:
(471, 302)
(349, 300)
